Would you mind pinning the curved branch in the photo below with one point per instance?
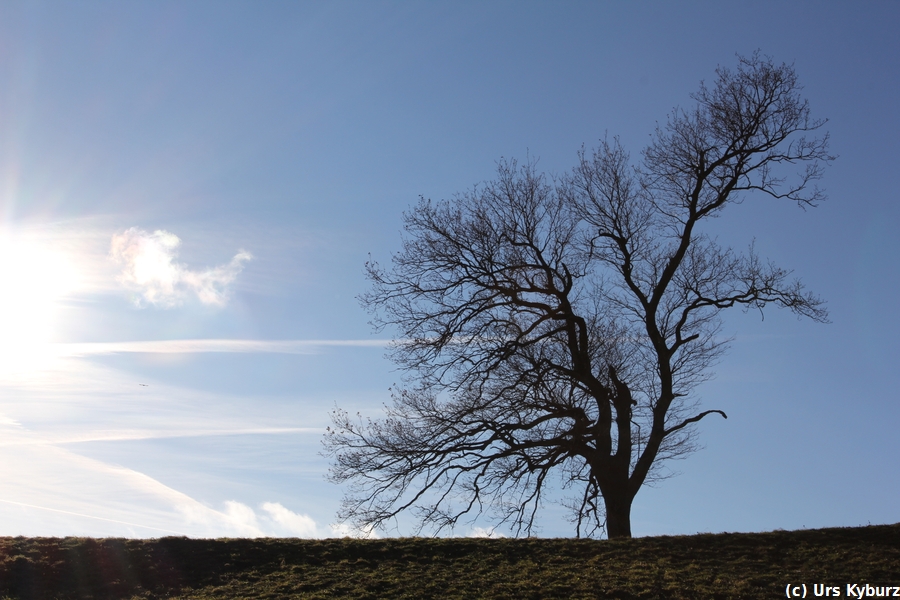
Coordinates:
(687, 422)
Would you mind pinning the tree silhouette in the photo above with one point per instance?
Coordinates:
(552, 330)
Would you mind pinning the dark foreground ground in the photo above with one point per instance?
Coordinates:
(757, 565)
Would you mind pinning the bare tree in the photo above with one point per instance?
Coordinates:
(553, 329)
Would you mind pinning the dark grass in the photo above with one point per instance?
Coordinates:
(746, 565)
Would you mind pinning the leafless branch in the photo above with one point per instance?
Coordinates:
(555, 328)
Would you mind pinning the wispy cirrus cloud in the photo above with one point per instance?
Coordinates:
(49, 487)
(207, 345)
(150, 270)
(130, 435)
(50, 490)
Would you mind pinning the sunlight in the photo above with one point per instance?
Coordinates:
(34, 277)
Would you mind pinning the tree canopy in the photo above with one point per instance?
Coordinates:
(553, 329)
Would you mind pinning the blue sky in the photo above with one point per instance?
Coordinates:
(188, 192)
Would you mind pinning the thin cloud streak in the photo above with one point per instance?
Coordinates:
(123, 435)
(83, 516)
(199, 346)
(51, 489)
(66, 488)
(76, 398)
(64, 492)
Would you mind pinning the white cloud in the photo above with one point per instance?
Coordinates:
(150, 270)
(49, 490)
(242, 518)
(208, 345)
(132, 527)
(52, 491)
(131, 435)
(485, 532)
(74, 400)
(343, 530)
(295, 523)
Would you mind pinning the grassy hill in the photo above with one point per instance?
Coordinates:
(745, 565)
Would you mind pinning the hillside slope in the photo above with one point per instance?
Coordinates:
(756, 565)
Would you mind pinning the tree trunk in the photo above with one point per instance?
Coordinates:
(618, 514)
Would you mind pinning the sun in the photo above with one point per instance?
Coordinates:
(34, 278)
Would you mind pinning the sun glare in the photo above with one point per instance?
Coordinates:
(34, 278)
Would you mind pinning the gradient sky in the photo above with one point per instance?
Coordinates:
(189, 190)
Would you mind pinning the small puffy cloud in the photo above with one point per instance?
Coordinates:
(296, 524)
(484, 532)
(343, 530)
(150, 270)
(242, 518)
(274, 520)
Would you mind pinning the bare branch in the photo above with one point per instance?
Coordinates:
(555, 329)
(695, 419)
